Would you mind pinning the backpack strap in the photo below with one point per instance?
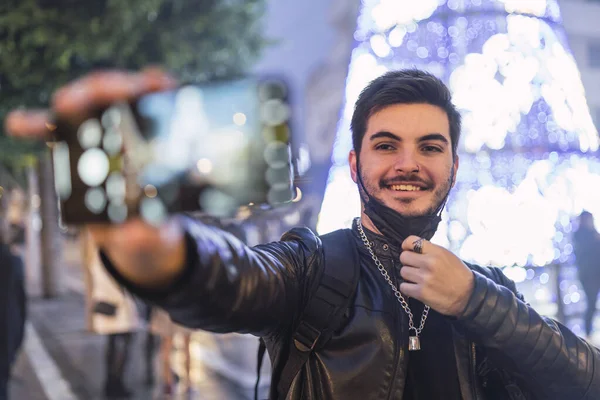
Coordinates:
(325, 310)
(261, 355)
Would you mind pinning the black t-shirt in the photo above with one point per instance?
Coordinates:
(432, 372)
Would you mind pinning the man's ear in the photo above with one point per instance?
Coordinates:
(455, 169)
(352, 162)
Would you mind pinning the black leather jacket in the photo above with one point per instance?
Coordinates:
(229, 287)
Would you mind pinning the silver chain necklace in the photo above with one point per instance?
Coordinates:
(413, 341)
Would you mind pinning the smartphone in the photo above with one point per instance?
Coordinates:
(213, 148)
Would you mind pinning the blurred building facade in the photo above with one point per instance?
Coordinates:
(580, 18)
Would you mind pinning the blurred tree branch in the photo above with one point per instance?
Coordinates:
(46, 43)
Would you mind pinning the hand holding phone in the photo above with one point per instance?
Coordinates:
(214, 148)
(147, 255)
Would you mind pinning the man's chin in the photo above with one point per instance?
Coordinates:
(411, 213)
(409, 209)
(410, 205)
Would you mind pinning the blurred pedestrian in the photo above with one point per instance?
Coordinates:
(586, 246)
(162, 326)
(112, 312)
(150, 344)
(12, 309)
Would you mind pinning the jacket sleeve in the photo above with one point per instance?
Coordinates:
(227, 286)
(545, 352)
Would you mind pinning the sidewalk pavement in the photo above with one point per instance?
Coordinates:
(62, 361)
(24, 384)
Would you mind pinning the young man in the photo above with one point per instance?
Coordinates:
(478, 339)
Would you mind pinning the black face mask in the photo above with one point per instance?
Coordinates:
(396, 227)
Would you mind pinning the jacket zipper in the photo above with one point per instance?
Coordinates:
(474, 370)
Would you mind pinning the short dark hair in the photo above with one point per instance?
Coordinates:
(409, 86)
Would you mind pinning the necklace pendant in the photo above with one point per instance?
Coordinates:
(414, 343)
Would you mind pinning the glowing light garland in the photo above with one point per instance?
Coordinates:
(527, 149)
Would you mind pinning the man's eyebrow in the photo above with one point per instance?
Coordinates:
(431, 136)
(434, 136)
(385, 134)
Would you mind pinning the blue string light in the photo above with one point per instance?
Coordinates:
(528, 148)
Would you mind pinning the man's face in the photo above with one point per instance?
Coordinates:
(406, 158)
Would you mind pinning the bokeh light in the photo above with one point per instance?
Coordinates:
(528, 161)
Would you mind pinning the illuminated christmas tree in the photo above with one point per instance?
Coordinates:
(528, 161)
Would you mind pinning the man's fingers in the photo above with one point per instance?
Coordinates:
(416, 244)
(411, 258)
(411, 290)
(100, 233)
(106, 87)
(93, 90)
(98, 88)
(130, 232)
(135, 233)
(33, 124)
(411, 274)
(156, 79)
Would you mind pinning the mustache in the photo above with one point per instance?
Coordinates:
(404, 179)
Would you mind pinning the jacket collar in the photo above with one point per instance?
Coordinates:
(383, 248)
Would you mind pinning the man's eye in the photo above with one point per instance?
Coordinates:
(384, 146)
(432, 149)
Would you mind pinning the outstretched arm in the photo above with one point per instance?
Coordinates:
(226, 286)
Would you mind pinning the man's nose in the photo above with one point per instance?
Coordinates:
(406, 162)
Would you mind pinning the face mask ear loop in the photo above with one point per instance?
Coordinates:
(443, 203)
(360, 181)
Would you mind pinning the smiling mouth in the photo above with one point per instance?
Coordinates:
(406, 188)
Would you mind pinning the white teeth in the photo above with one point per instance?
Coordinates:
(405, 188)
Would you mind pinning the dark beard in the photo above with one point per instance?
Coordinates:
(440, 195)
(398, 227)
